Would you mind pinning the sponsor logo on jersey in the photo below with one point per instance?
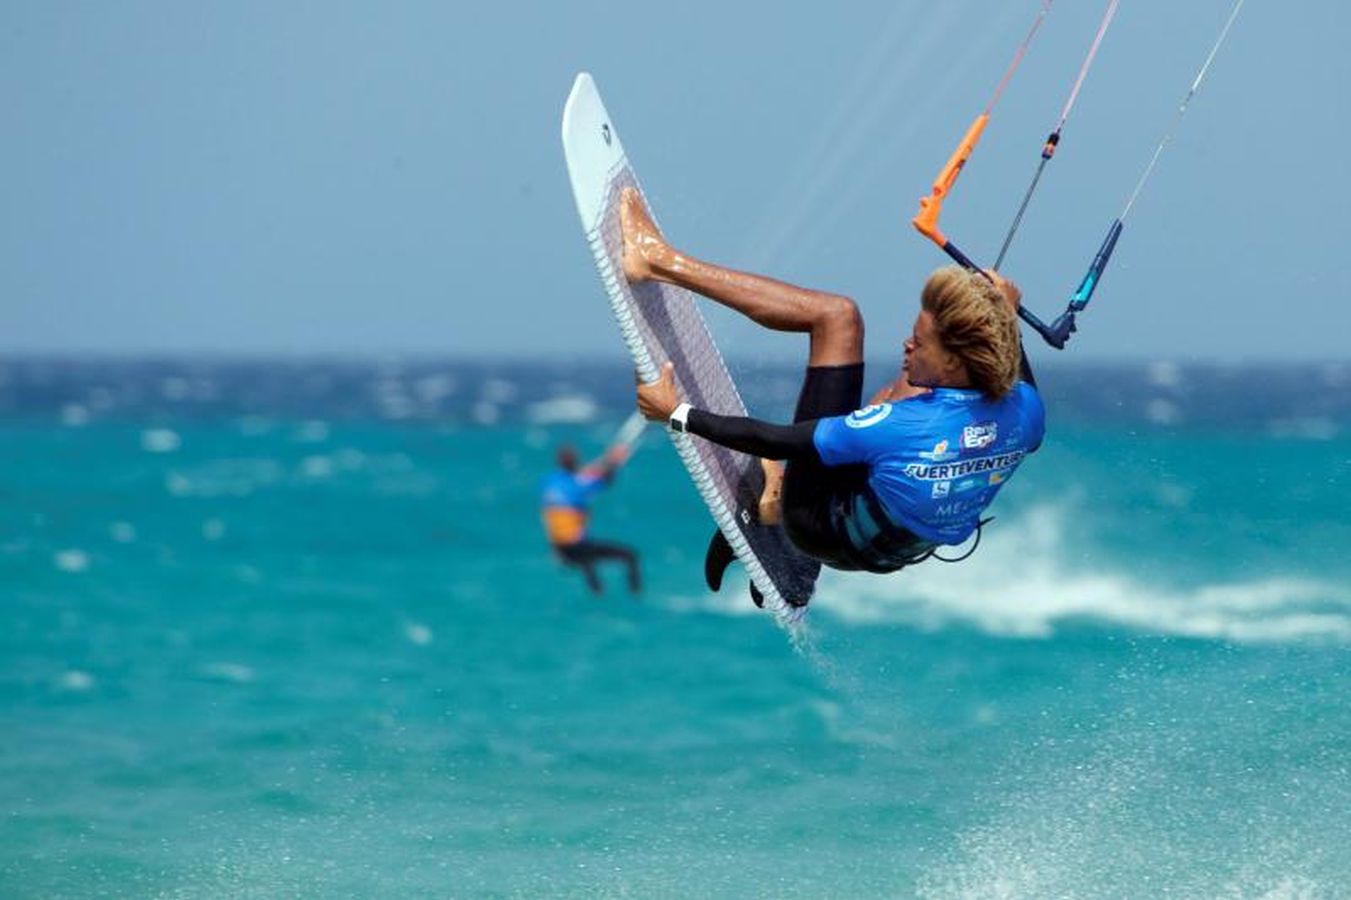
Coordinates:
(998, 477)
(941, 488)
(999, 463)
(979, 436)
(940, 453)
(950, 510)
(969, 484)
(868, 415)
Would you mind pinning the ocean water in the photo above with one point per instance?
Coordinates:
(289, 629)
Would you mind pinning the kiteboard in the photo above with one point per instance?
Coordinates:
(660, 323)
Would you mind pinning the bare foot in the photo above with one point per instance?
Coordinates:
(643, 243)
(771, 498)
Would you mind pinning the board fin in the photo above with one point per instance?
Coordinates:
(719, 556)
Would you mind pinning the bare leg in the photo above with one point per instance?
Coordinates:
(832, 321)
(771, 498)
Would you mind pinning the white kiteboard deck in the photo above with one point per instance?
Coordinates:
(661, 322)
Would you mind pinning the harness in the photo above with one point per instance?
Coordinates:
(879, 545)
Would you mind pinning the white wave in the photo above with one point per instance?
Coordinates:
(1307, 428)
(434, 388)
(1163, 412)
(75, 681)
(160, 440)
(234, 673)
(123, 532)
(248, 574)
(567, 409)
(1019, 585)
(485, 413)
(498, 391)
(417, 633)
(350, 458)
(391, 397)
(313, 431)
(73, 415)
(1164, 374)
(225, 478)
(175, 388)
(72, 560)
(177, 484)
(316, 467)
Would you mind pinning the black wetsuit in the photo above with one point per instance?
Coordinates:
(831, 513)
(586, 553)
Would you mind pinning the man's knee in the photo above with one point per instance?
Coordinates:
(841, 321)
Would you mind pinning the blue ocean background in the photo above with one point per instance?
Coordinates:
(289, 628)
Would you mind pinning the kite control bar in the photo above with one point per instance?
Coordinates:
(931, 205)
(1058, 332)
(926, 223)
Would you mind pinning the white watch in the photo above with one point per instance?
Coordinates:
(678, 417)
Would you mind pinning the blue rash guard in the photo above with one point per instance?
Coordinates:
(937, 460)
(565, 501)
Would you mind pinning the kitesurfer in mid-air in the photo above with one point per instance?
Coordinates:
(879, 487)
(566, 507)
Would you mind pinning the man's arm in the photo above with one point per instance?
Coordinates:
(659, 400)
(1014, 296)
(763, 439)
(605, 466)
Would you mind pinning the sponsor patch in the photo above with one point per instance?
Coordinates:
(941, 489)
(969, 484)
(979, 436)
(940, 453)
(868, 415)
(999, 464)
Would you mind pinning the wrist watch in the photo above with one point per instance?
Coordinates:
(678, 417)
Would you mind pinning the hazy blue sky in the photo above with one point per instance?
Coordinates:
(387, 177)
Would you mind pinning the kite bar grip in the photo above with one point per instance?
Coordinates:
(1059, 331)
(1094, 274)
(1055, 334)
(926, 222)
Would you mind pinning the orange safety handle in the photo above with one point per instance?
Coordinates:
(932, 204)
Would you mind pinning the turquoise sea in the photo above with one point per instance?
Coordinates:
(289, 629)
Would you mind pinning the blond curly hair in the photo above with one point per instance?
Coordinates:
(978, 325)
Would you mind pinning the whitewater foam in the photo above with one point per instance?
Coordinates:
(1019, 585)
